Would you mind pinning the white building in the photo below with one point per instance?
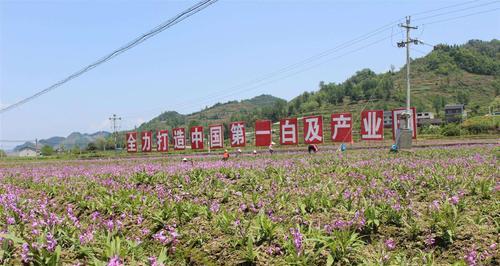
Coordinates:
(425, 115)
(27, 152)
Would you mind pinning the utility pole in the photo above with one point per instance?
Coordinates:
(114, 118)
(405, 127)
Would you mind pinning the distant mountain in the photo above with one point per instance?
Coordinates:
(245, 110)
(74, 139)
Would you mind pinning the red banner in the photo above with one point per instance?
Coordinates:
(197, 138)
(216, 135)
(131, 139)
(395, 121)
(179, 136)
(341, 127)
(162, 140)
(237, 134)
(372, 125)
(146, 139)
(263, 133)
(313, 129)
(289, 131)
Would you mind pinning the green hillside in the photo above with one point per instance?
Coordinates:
(468, 74)
(247, 110)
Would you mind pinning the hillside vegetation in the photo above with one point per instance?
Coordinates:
(468, 74)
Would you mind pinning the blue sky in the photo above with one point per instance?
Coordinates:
(198, 61)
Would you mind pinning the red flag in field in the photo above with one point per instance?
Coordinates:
(146, 138)
(395, 121)
(216, 133)
(289, 131)
(131, 139)
(197, 138)
(341, 127)
(263, 132)
(372, 125)
(162, 140)
(237, 134)
(179, 135)
(313, 129)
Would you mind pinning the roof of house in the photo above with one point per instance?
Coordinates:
(28, 148)
(453, 106)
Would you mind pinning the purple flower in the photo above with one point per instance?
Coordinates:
(434, 205)
(110, 225)
(86, 237)
(115, 261)
(454, 200)
(11, 220)
(429, 240)
(51, 242)
(297, 239)
(25, 253)
(153, 261)
(214, 207)
(471, 257)
(390, 244)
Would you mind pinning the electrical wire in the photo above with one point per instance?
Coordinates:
(171, 22)
(241, 87)
(456, 11)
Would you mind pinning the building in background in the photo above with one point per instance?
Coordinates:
(27, 152)
(454, 113)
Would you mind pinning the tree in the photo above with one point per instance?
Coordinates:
(438, 103)
(91, 146)
(76, 149)
(356, 93)
(47, 150)
(99, 144)
(2, 153)
(463, 97)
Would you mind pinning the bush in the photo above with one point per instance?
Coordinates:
(47, 150)
(430, 130)
(482, 124)
(451, 130)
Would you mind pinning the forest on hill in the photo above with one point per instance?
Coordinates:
(467, 74)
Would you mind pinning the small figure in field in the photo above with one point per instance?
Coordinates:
(225, 156)
(312, 148)
(254, 152)
(271, 150)
(186, 160)
(342, 147)
(394, 148)
(238, 153)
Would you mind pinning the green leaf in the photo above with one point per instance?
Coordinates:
(12, 237)
(329, 260)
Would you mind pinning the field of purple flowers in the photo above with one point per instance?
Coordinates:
(432, 206)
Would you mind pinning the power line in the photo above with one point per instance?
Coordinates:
(293, 66)
(444, 20)
(222, 93)
(171, 22)
(441, 8)
(458, 10)
(294, 73)
(15, 140)
(462, 16)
